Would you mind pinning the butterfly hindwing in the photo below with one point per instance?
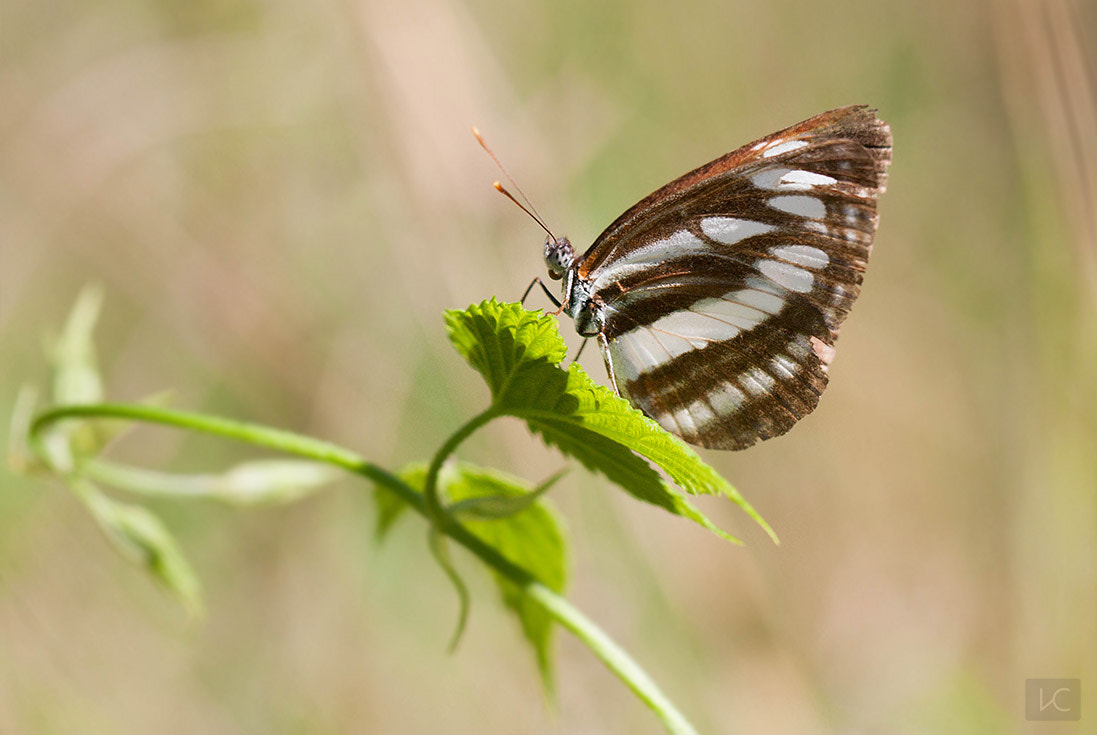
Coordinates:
(721, 368)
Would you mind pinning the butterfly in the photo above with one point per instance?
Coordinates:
(717, 299)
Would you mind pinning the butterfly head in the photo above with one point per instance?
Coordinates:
(559, 256)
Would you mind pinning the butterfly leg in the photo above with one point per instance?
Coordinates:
(555, 301)
(609, 363)
(580, 350)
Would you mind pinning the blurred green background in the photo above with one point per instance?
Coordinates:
(280, 198)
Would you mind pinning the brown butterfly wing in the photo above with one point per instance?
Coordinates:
(723, 292)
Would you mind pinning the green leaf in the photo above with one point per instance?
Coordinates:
(256, 482)
(76, 380)
(76, 376)
(490, 507)
(272, 481)
(504, 342)
(390, 507)
(600, 454)
(518, 353)
(143, 539)
(20, 458)
(532, 538)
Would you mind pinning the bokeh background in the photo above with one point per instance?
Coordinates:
(280, 198)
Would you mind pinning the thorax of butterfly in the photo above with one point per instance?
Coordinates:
(717, 299)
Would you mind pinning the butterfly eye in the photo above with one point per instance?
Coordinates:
(559, 255)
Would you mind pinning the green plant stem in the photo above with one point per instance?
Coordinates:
(435, 512)
(563, 612)
(263, 436)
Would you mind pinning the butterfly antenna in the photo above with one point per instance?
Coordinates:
(528, 207)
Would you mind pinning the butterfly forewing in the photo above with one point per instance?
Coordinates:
(723, 292)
